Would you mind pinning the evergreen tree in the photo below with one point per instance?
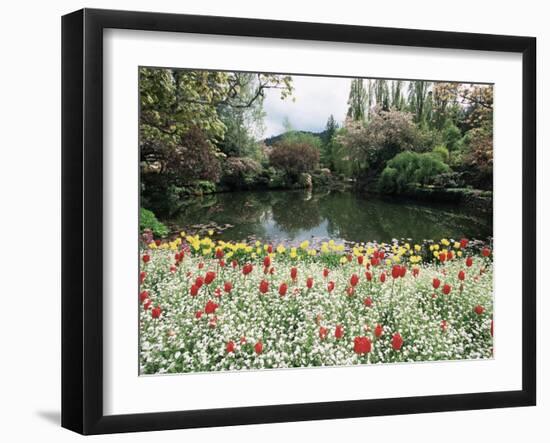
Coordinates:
(329, 150)
(381, 93)
(397, 100)
(420, 100)
(358, 99)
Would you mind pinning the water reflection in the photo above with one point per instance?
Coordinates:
(299, 215)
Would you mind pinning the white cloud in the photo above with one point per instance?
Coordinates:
(315, 98)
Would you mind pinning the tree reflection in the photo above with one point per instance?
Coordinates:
(297, 215)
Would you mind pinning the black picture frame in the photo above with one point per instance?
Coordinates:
(82, 218)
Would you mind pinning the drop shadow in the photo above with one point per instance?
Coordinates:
(53, 417)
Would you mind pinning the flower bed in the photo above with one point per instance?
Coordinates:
(213, 306)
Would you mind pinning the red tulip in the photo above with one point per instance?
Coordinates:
(243, 340)
(349, 257)
(219, 253)
(264, 286)
(155, 312)
(309, 282)
(199, 282)
(446, 289)
(350, 290)
(382, 277)
(368, 302)
(330, 286)
(378, 330)
(142, 276)
(247, 269)
(479, 309)
(258, 347)
(173, 268)
(227, 287)
(221, 263)
(361, 345)
(210, 307)
(267, 261)
(368, 275)
(146, 258)
(293, 273)
(415, 272)
(201, 265)
(442, 256)
(194, 290)
(234, 263)
(354, 280)
(435, 283)
(230, 347)
(485, 252)
(461, 275)
(374, 261)
(271, 270)
(157, 242)
(323, 333)
(209, 277)
(269, 249)
(282, 289)
(147, 304)
(402, 271)
(339, 331)
(396, 271)
(396, 341)
(360, 259)
(444, 325)
(464, 242)
(198, 314)
(469, 261)
(144, 295)
(450, 255)
(325, 272)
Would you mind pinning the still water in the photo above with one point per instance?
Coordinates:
(295, 216)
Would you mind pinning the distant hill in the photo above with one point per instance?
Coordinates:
(270, 141)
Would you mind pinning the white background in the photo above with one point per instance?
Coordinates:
(30, 221)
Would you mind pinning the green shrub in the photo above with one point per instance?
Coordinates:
(388, 180)
(409, 168)
(442, 152)
(148, 220)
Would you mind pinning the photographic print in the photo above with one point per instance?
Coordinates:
(294, 221)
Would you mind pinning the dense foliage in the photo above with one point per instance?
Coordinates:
(408, 168)
(201, 132)
(148, 222)
(191, 122)
(451, 120)
(294, 158)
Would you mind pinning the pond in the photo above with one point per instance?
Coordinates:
(294, 216)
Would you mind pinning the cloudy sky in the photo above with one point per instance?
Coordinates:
(315, 98)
